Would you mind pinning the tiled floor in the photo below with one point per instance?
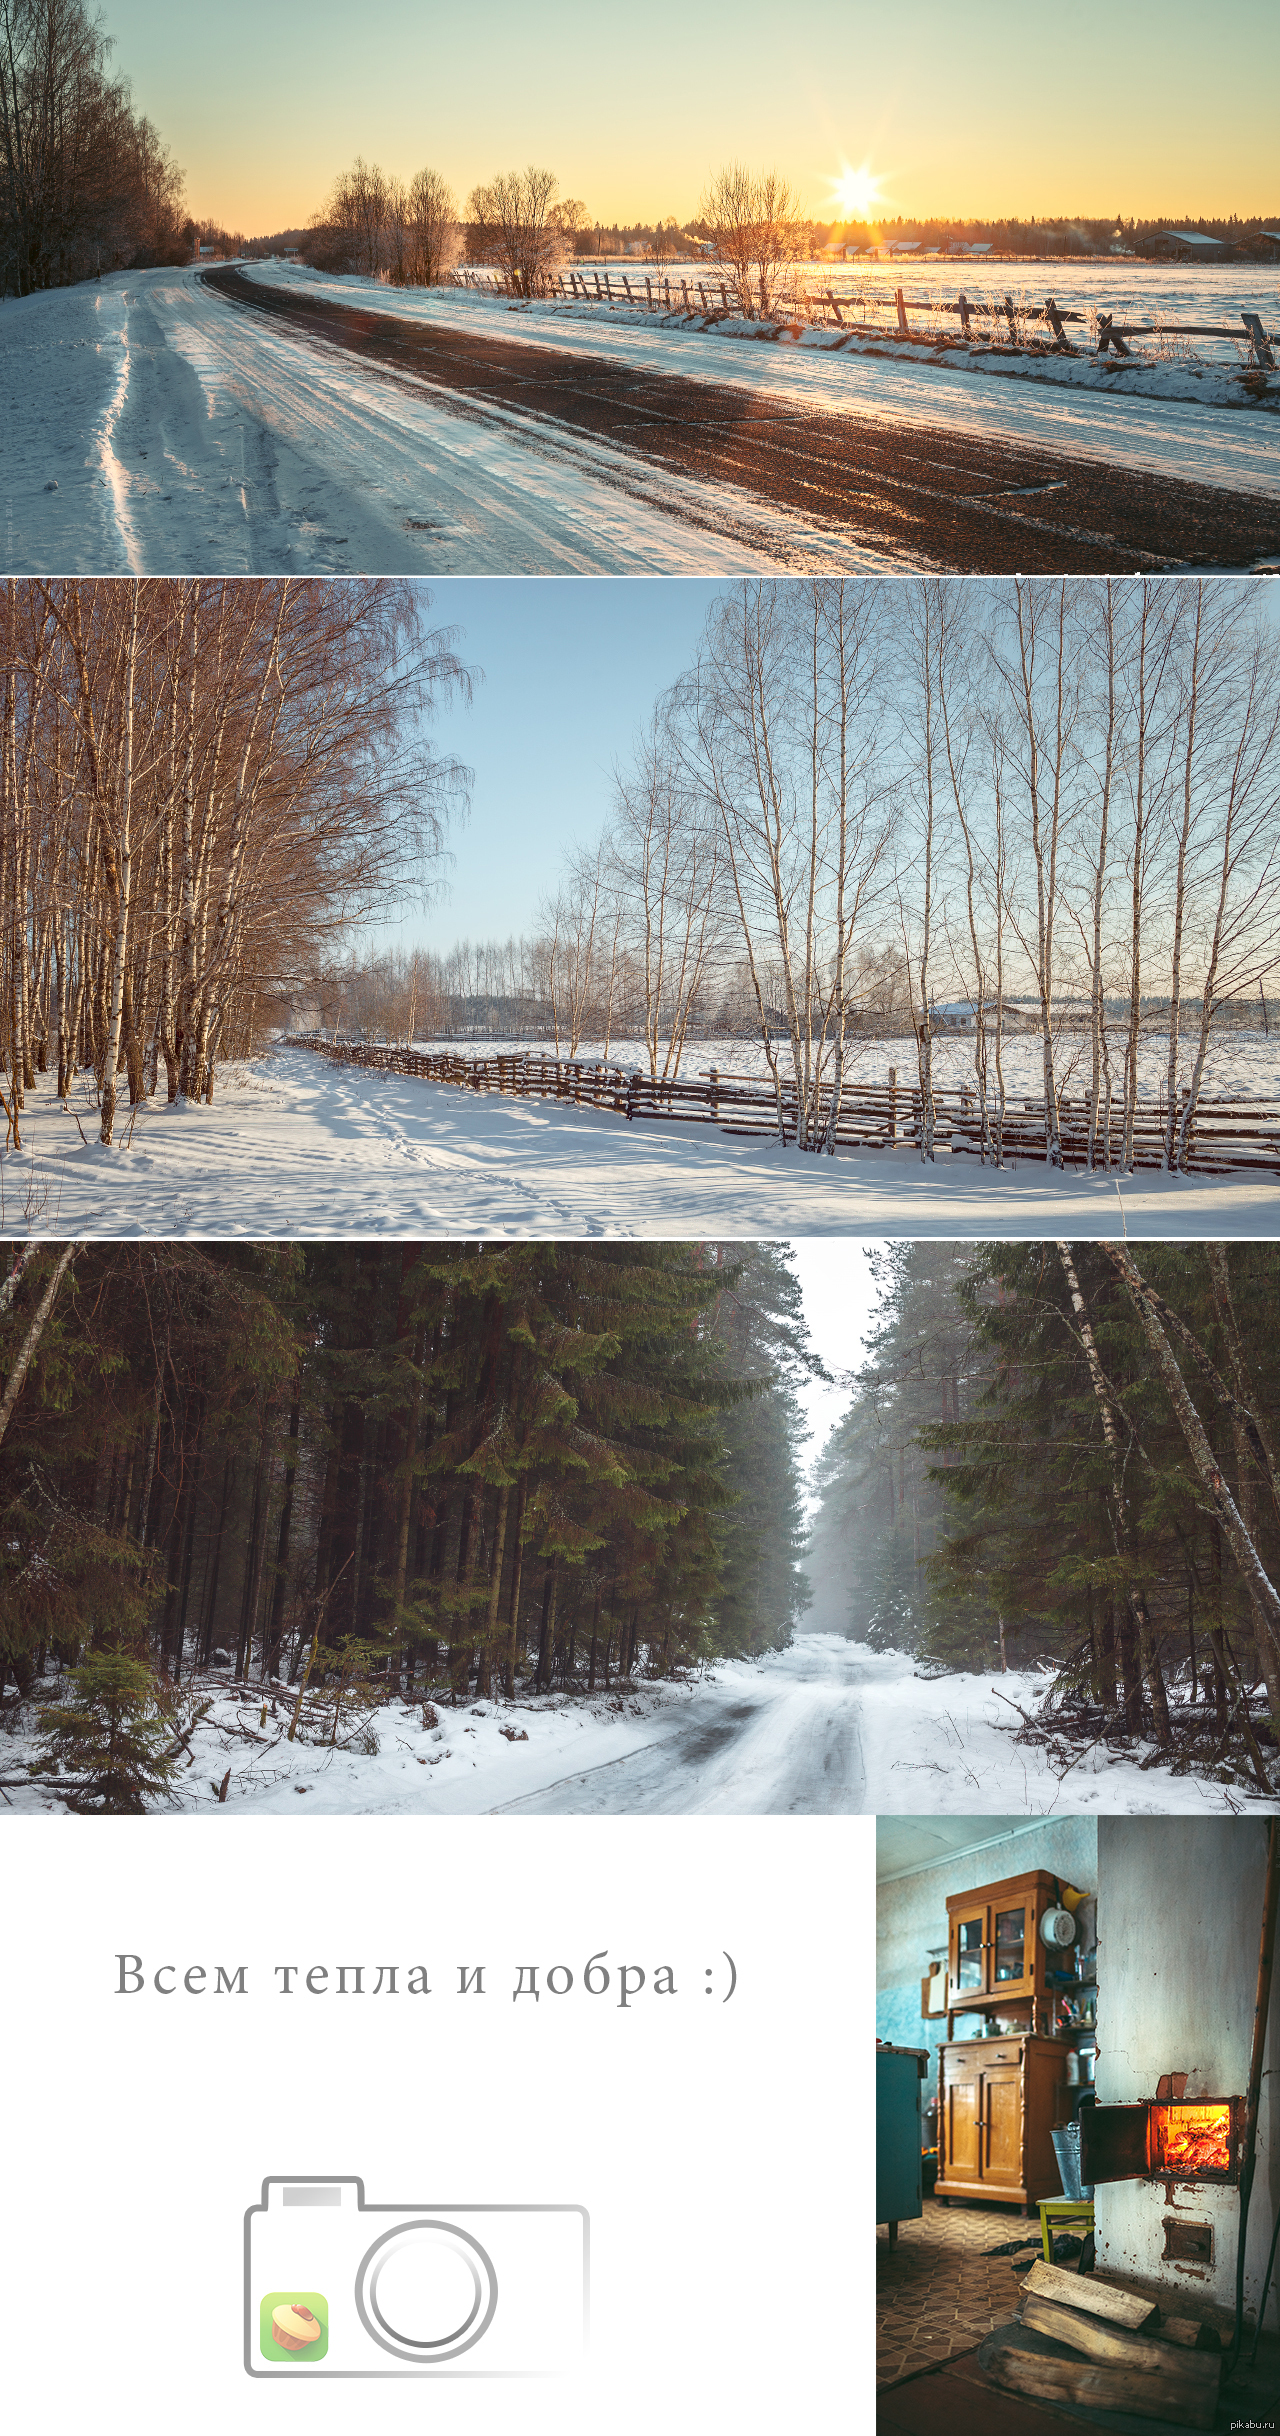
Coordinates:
(939, 2294)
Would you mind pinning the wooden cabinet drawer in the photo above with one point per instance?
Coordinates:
(970, 2053)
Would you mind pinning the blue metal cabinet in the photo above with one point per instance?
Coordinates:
(900, 2075)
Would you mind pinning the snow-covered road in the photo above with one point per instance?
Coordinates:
(295, 1146)
(789, 1743)
(148, 426)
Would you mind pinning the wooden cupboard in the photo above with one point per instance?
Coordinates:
(995, 1955)
(997, 2106)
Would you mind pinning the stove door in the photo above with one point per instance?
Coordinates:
(1113, 2143)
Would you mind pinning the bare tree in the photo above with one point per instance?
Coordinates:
(205, 784)
(431, 219)
(666, 870)
(778, 731)
(513, 227)
(85, 183)
(756, 228)
(1042, 710)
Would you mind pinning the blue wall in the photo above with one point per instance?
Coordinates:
(911, 1916)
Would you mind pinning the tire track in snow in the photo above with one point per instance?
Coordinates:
(114, 474)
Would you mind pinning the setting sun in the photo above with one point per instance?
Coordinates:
(856, 193)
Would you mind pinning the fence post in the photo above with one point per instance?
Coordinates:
(724, 296)
(903, 331)
(1054, 319)
(835, 308)
(965, 310)
(1011, 318)
(1259, 341)
(893, 1103)
(714, 1095)
(1108, 337)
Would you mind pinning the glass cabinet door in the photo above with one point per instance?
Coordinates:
(1013, 1951)
(969, 1968)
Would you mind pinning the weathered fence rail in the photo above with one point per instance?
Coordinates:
(1228, 1136)
(693, 295)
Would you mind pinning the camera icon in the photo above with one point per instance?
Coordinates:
(336, 2288)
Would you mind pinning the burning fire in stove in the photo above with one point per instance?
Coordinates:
(1191, 2139)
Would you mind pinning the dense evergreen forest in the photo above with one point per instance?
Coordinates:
(1067, 1455)
(456, 1469)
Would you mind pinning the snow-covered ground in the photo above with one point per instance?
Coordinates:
(1159, 364)
(1133, 291)
(826, 1726)
(945, 1743)
(776, 1736)
(1171, 432)
(296, 1146)
(150, 426)
(1238, 1060)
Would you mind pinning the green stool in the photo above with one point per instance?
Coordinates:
(1060, 2211)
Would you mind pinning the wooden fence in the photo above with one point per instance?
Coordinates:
(1007, 322)
(1234, 1136)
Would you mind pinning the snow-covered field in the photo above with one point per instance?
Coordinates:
(946, 1743)
(826, 1726)
(148, 426)
(777, 1736)
(1238, 1061)
(1159, 364)
(296, 1146)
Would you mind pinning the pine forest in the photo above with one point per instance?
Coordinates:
(351, 1471)
(1065, 1456)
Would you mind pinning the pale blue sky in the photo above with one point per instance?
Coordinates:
(990, 108)
(571, 670)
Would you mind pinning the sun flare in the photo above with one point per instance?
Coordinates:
(855, 193)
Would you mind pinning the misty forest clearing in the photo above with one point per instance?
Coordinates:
(155, 426)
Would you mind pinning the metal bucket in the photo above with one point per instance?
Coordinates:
(1066, 2148)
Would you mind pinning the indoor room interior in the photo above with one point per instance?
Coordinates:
(1076, 2073)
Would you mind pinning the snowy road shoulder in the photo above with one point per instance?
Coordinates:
(294, 1146)
(946, 1743)
(745, 1738)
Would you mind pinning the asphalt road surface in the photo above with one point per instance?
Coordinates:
(789, 1745)
(920, 492)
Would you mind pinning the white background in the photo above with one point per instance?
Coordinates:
(724, 2151)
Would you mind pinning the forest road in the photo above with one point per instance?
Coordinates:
(919, 491)
(791, 1745)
